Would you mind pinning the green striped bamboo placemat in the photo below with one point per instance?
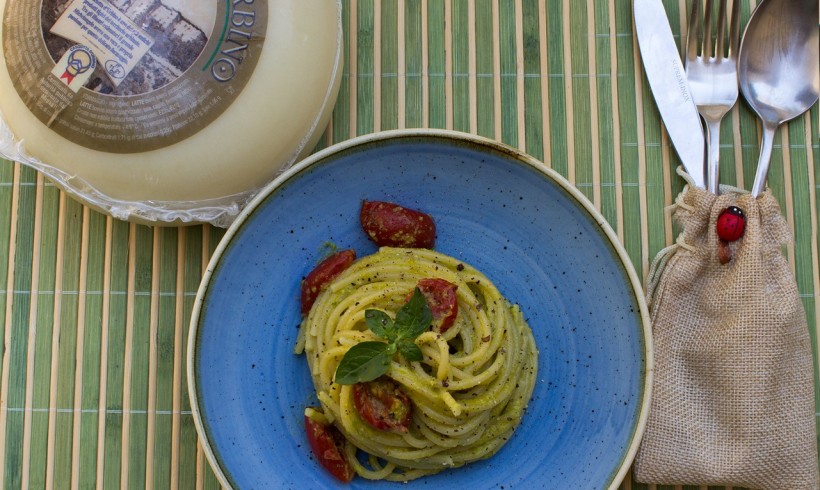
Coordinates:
(95, 311)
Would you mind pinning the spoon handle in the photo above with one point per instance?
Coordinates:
(765, 158)
(713, 148)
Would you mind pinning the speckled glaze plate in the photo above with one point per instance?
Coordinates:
(524, 226)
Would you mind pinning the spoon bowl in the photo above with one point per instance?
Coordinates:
(779, 68)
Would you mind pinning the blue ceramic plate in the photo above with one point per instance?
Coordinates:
(525, 227)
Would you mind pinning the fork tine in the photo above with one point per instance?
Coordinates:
(692, 33)
(720, 41)
(734, 30)
(707, 31)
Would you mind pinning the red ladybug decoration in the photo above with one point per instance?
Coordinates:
(731, 224)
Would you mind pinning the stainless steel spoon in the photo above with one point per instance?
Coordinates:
(779, 68)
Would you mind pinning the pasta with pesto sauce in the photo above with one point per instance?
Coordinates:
(470, 390)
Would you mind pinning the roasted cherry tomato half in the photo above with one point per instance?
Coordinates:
(319, 277)
(392, 225)
(382, 404)
(327, 444)
(441, 298)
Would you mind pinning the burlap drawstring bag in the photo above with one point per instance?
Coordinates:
(733, 396)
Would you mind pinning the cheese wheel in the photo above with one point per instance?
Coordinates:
(166, 111)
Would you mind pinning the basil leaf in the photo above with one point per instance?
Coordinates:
(365, 361)
(410, 351)
(380, 324)
(414, 317)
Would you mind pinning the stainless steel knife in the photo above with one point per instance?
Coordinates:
(670, 88)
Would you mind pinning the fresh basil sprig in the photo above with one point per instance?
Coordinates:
(367, 361)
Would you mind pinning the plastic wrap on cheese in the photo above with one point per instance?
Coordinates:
(166, 111)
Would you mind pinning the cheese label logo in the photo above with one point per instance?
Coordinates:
(75, 67)
(128, 76)
(118, 42)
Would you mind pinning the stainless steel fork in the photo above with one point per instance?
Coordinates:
(712, 73)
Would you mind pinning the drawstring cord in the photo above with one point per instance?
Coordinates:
(656, 270)
(662, 258)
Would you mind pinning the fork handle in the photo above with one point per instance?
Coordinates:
(713, 149)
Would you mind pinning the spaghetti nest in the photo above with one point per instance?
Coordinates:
(468, 393)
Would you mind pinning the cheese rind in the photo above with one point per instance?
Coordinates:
(206, 171)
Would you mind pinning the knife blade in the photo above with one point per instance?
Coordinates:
(669, 85)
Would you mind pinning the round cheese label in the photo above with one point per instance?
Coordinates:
(127, 76)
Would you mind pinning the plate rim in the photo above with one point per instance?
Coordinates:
(444, 134)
